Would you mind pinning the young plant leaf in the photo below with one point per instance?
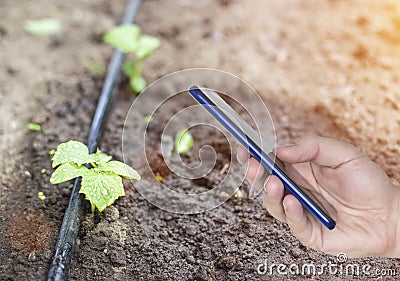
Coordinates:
(133, 71)
(123, 37)
(66, 172)
(34, 127)
(146, 47)
(128, 38)
(42, 27)
(101, 188)
(41, 195)
(100, 157)
(137, 83)
(148, 118)
(128, 68)
(183, 141)
(71, 151)
(120, 169)
(102, 184)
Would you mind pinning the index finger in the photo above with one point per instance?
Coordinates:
(319, 150)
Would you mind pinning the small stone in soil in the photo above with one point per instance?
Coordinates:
(191, 259)
(296, 252)
(202, 274)
(191, 230)
(228, 262)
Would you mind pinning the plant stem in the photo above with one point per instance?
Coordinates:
(137, 70)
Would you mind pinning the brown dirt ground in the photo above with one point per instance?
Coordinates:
(328, 67)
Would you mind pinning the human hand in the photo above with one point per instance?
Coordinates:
(353, 190)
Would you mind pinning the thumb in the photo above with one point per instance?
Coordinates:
(319, 150)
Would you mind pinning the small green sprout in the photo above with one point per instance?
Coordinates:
(102, 184)
(41, 196)
(93, 67)
(46, 132)
(34, 127)
(148, 118)
(51, 152)
(42, 27)
(128, 39)
(183, 141)
(159, 178)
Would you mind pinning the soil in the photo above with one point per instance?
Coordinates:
(327, 67)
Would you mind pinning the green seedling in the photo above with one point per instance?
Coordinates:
(129, 39)
(183, 141)
(46, 132)
(102, 184)
(34, 127)
(42, 27)
(43, 171)
(93, 67)
(148, 118)
(41, 196)
(51, 152)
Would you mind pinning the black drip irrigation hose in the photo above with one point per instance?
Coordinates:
(73, 215)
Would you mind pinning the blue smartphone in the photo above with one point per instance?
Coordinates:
(252, 141)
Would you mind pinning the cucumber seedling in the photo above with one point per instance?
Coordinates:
(102, 183)
(183, 141)
(41, 195)
(128, 38)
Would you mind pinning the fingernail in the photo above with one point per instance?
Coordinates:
(238, 153)
(284, 206)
